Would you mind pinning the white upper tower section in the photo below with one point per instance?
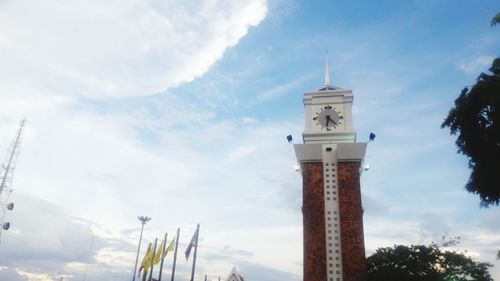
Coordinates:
(328, 114)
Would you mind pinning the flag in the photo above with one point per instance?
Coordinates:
(170, 247)
(191, 244)
(158, 254)
(372, 136)
(146, 260)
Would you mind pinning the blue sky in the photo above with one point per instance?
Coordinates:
(180, 112)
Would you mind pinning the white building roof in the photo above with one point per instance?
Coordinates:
(234, 276)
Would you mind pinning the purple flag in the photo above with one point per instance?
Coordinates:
(192, 244)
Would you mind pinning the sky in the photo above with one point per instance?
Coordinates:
(179, 110)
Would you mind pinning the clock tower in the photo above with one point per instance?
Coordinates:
(331, 164)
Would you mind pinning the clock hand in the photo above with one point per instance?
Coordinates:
(328, 118)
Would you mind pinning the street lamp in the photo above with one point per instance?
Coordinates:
(143, 220)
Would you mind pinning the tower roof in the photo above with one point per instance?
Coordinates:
(327, 86)
(327, 70)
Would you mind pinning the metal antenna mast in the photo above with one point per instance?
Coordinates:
(143, 220)
(7, 174)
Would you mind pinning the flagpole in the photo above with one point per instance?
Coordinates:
(195, 251)
(175, 253)
(152, 260)
(88, 258)
(162, 257)
(143, 263)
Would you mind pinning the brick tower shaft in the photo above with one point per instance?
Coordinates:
(332, 212)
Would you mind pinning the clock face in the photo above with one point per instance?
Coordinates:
(328, 117)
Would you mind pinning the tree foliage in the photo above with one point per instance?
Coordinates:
(495, 19)
(475, 118)
(424, 263)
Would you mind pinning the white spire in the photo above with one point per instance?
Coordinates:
(327, 72)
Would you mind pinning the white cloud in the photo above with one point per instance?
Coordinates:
(249, 120)
(476, 65)
(96, 166)
(282, 89)
(117, 48)
(241, 152)
(11, 274)
(45, 241)
(109, 160)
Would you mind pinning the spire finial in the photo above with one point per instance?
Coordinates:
(327, 71)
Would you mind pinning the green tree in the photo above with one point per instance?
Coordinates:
(475, 118)
(495, 19)
(424, 263)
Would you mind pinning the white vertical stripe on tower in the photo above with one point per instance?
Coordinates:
(332, 214)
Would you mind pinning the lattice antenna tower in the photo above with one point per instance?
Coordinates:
(7, 175)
